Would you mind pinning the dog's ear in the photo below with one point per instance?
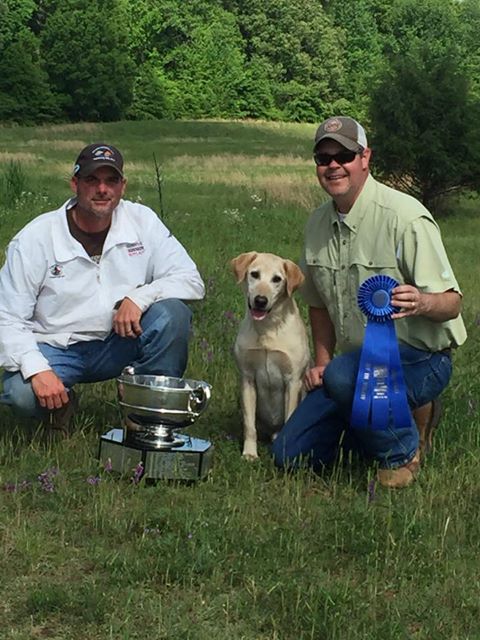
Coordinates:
(240, 264)
(294, 274)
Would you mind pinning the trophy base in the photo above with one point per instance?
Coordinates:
(190, 461)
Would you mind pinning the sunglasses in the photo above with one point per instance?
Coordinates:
(342, 157)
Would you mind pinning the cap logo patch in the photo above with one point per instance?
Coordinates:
(102, 153)
(97, 155)
(333, 125)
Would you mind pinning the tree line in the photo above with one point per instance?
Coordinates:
(410, 68)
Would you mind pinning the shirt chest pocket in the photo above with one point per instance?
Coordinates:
(367, 261)
(370, 261)
(323, 273)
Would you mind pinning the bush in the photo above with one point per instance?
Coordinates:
(13, 183)
(426, 137)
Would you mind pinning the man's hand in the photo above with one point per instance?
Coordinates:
(49, 389)
(409, 300)
(126, 322)
(438, 307)
(314, 377)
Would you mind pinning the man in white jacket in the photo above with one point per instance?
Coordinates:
(90, 288)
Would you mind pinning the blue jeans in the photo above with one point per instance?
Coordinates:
(161, 349)
(313, 432)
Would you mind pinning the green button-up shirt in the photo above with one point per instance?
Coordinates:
(385, 232)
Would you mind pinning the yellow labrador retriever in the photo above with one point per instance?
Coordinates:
(271, 349)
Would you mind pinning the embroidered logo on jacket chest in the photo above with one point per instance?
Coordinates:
(56, 271)
(135, 249)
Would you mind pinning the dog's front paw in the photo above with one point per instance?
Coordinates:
(250, 451)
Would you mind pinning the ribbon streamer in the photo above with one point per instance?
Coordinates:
(380, 395)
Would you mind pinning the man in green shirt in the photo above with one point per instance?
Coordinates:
(368, 228)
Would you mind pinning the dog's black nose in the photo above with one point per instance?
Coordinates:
(260, 302)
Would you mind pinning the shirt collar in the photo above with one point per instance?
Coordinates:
(65, 247)
(122, 231)
(357, 213)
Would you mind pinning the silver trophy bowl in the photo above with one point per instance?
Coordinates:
(154, 406)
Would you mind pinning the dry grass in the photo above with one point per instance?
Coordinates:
(198, 167)
(268, 176)
(276, 125)
(57, 145)
(225, 161)
(18, 156)
(81, 127)
(287, 189)
(271, 176)
(62, 169)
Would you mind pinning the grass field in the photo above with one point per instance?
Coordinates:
(248, 554)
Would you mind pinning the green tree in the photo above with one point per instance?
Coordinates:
(208, 69)
(357, 22)
(424, 113)
(85, 49)
(300, 49)
(14, 19)
(25, 95)
(195, 55)
(426, 135)
(256, 98)
(469, 15)
(163, 26)
(152, 92)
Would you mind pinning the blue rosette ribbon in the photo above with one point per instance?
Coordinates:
(380, 398)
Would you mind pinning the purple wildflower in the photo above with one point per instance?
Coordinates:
(108, 465)
(14, 487)
(93, 480)
(207, 350)
(371, 491)
(138, 473)
(46, 479)
(230, 318)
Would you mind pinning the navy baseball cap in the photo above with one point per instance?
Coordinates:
(98, 155)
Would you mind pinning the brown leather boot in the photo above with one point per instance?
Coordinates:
(427, 418)
(401, 476)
